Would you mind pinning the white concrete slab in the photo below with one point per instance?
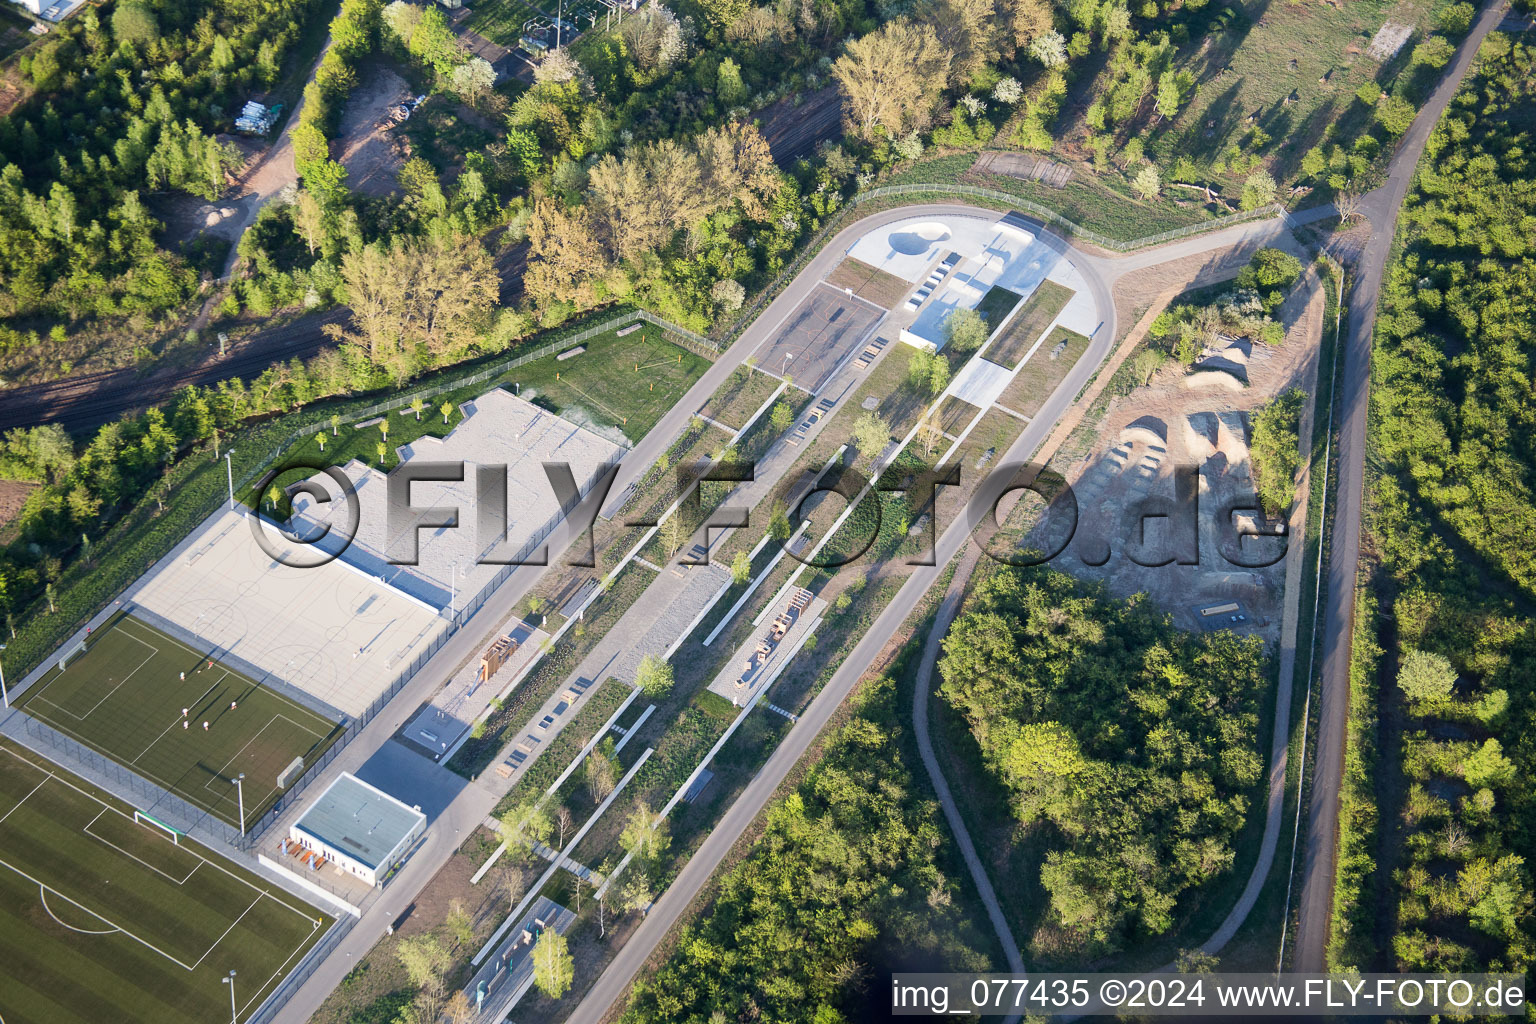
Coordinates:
(497, 428)
(331, 631)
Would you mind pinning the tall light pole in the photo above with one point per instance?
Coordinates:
(238, 780)
(453, 592)
(229, 470)
(230, 981)
(3, 695)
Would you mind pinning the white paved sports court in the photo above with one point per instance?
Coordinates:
(497, 428)
(331, 631)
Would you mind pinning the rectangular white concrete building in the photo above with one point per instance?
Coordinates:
(359, 827)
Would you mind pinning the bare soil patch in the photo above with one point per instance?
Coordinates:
(868, 282)
(1141, 440)
(370, 146)
(13, 495)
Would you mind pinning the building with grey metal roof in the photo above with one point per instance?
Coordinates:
(363, 829)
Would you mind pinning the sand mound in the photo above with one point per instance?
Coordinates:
(1200, 435)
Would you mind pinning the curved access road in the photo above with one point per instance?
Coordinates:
(473, 802)
(1380, 208)
(620, 974)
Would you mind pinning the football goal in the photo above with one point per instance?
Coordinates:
(155, 823)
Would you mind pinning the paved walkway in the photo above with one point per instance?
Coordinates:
(1380, 208)
(923, 693)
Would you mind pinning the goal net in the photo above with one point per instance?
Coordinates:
(78, 647)
(155, 823)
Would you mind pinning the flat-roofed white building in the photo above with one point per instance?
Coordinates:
(360, 828)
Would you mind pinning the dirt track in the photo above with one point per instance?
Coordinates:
(86, 402)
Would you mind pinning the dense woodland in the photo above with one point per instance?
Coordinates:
(843, 886)
(126, 102)
(1435, 875)
(1130, 748)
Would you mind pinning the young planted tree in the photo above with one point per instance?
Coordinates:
(380, 449)
(320, 440)
(460, 924)
(654, 676)
(870, 435)
(781, 416)
(553, 967)
(602, 774)
(778, 524)
(335, 424)
(526, 822)
(741, 568)
(563, 824)
(416, 406)
(446, 408)
(645, 836)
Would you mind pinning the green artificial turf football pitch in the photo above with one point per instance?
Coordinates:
(123, 696)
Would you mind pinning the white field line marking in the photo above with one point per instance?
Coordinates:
(280, 696)
(43, 885)
(215, 865)
(215, 943)
(42, 897)
(24, 799)
(223, 775)
(154, 653)
(155, 742)
(107, 842)
(265, 988)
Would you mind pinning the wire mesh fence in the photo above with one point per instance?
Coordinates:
(840, 218)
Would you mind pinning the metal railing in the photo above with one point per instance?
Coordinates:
(838, 221)
(698, 342)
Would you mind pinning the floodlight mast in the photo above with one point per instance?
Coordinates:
(3, 694)
(239, 781)
(229, 980)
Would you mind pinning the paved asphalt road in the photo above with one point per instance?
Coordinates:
(1380, 207)
(470, 806)
(620, 973)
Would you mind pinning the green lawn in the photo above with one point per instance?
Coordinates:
(997, 304)
(600, 388)
(1044, 305)
(1033, 384)
(1248, 69)
(501, 21)
(124, 698)
(742, 394)
(1088, 200)
(104, 919)
(628, 382)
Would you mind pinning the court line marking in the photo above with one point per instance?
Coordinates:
(154, 653)
(167, 784)
(280, 696)
(262, 893)
(105, 841)
(42, 897)
(223, 773)
(202, 697)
